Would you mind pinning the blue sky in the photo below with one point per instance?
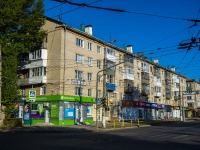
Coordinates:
(155, 27)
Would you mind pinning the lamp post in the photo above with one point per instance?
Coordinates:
(80, 95)
(97, 89)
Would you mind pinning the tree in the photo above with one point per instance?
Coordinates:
(20, 31)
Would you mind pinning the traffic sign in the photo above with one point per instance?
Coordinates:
(32, 94)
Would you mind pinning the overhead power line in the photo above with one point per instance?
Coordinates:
(124, 11)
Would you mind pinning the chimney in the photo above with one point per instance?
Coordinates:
(88, 29)
(130, 49)
(173, 68)
(82, 28)
(156, 61)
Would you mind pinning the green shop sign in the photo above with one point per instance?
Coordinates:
(68, 98)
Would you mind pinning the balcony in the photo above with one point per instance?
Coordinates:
(168, 86)
(128, 89)
(110, 57)
(128, 64)
(110, 87)
(156, 73)
(145, 92)
(168, 96)
(32, 80)
(129, 76)
(145, 81)
(176, 98)
(190, 101)
(157, 94)
(110, 72)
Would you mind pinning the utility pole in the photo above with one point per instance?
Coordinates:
(97, 88)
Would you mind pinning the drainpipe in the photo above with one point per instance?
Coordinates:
(64, 74)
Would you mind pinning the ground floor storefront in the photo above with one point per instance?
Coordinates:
(148, 111)
(57, 109)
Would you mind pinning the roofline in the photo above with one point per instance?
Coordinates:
(109, 45)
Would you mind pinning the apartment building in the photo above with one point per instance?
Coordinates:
(192, 97)
(74, 72)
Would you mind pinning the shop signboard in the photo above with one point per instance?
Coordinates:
(54, 110)
(69, 113)
(151, 105)
(139, 104)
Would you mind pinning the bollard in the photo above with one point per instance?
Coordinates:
(123, 123)
(114, 123)
(131, 122)
(138, 122)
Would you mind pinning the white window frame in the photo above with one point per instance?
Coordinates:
(43, 90)
(89, 92)
(78, 74)
(80, 42)
(98, 64)
(89, 46)
(79, 58)
(98, 49)
(89, 76)
(89, 61)
(77, 91)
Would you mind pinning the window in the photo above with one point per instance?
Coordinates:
(42, 90)
(38, 71)
(78, 74)
(110, 51)
(89, 46)
(121, 96)
(99, 49)
(189, 97)
(138, 75)
(99, 93)
(36, 54)
(78, 91)
(89, 92)
(89, 77)
(79, 42)
(115, 96)
(120, 70)
(120, 83)
(99, 78)
(79, 58)
(89, 61)
(120, 58)
(157, 89)
(145, 67)
(98, 63)
(130, 71)
(23, 92)
(110, 79)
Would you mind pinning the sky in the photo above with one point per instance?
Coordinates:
(154, 27)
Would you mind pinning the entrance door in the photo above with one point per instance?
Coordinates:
(47, 116)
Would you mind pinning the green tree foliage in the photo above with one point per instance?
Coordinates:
(20, 31)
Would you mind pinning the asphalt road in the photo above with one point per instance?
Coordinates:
(180, 136)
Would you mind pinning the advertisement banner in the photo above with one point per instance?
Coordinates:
(69, 113)
(26, 111)
(54, 110)
(37, 111)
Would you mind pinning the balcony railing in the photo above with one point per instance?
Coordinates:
(168, 96)
(157, 73)
(145, 92)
